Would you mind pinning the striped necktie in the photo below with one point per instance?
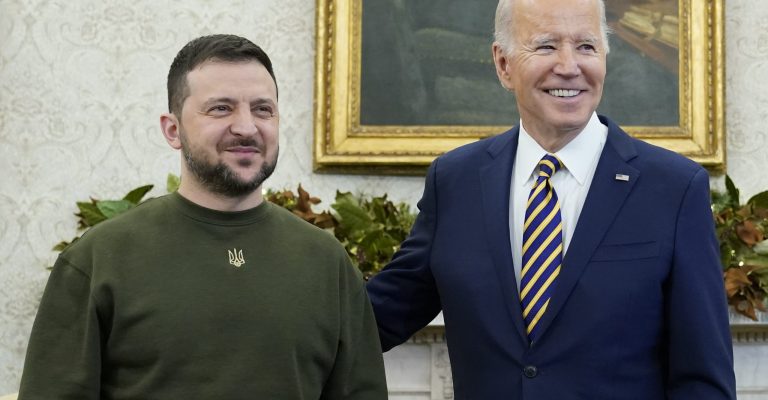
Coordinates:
(542, 246)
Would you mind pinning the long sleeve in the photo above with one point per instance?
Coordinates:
(404, 295)
(699, 342)
(358, 372)
(64, 354)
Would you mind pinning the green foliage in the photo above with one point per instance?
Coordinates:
(741, 230)
(89, 214)
(371, 229)
(732, 192)
(96, 211)
(759, 200)
(134, 196)
(172, 183)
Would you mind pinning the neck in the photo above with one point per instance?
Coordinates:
(552, 144)
(215, 201)
(552, 140)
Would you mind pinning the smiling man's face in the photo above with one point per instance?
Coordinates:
(228, 130)
(557, 66)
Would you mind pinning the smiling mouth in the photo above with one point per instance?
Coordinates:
(564, 92)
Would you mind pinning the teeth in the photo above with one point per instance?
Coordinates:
(564, 92)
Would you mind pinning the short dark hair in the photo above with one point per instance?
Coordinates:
(228, 48)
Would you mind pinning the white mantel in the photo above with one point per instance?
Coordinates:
(420, 369)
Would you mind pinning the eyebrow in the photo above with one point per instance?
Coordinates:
(548, 39)
(232, 101)
(263, 100)
(588, 39)
(542, 39)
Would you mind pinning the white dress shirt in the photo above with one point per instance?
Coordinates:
(571, 183)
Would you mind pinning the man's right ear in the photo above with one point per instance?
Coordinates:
(503, 66)
(170, 126)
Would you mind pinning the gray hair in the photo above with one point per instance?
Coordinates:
(503, 32)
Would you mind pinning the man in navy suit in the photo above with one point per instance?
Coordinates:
(570, 260)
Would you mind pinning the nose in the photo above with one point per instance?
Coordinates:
(567, 63)
(243, 122)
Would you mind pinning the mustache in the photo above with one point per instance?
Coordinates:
(242, 142)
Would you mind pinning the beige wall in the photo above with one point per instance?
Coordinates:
(82, 84)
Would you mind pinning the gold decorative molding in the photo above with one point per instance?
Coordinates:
(343, 144)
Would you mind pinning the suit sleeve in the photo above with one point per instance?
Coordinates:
(358, 372)
(404, 295)
(64, 354)
(699, 340)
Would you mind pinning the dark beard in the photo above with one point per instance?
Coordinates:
(219, 178)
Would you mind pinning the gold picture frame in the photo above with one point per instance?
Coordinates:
(343, 144)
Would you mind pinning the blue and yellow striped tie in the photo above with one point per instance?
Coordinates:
(542, 246)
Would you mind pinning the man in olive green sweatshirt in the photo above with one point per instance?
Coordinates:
(210, 292)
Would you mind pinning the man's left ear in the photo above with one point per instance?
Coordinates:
(170, 126)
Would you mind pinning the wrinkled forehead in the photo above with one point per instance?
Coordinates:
(552, 19)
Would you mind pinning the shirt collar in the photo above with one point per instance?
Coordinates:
(577, 156)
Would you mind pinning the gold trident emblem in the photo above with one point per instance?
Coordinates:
(236, 257)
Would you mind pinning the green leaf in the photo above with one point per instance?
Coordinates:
(90, 215)
(761, 262)
(110, 208)
(373, 240)
(135, 195)
(733, 193)
(378, 205)
(346, 197)
(351, 215)
(172, 183)
(61, 246)
(720, 201)
(759, 200)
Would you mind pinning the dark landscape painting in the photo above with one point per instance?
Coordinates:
(429, 63)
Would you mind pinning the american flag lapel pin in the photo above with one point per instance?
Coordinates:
(622, 177)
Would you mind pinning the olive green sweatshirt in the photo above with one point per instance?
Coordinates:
(171, 300)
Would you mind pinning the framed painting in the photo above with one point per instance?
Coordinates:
(400, 82)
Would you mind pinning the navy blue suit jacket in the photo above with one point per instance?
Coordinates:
(639, 309)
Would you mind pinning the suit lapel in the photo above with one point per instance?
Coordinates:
(604, 200)
(495, 178)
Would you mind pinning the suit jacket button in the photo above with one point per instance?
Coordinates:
(530, 371)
